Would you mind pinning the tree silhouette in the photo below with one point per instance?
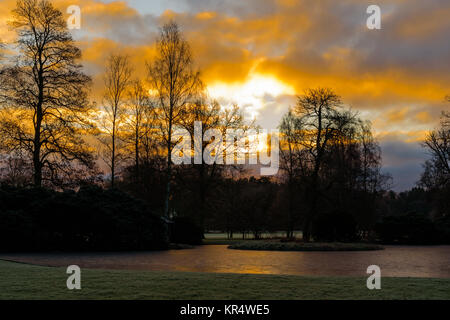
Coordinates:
(203, 178)
(47, 95)
(116, 80)
(140, 122)
(436, 175)
(438, 143)
(319, 113)
(174, 85)
(292, 161)
(329, 160)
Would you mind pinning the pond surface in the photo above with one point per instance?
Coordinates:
(398, 261)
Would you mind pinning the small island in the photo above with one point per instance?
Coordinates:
(268, 245)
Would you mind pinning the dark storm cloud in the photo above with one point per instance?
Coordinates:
(397, 76)
(403, 160)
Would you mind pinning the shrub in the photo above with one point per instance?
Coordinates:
(184, 230)
(335, 226)
(91, 219)
(443, 229)
(413, 228)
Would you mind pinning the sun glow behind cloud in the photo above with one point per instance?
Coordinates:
(259, 54)
(250, 95)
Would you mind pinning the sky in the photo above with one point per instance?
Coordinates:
(261, 54)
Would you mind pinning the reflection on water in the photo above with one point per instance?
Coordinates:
(401, 261)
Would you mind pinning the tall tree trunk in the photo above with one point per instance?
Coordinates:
(202, 198)
(307, 225)
(307, 229)
(290, 226)
(37, 164)
(113, 155)
(169, 169)
(136, 155)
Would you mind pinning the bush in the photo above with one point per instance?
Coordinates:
(335, 226)
(184, 230)
(91, 219)
(443, 229)
(413, 228)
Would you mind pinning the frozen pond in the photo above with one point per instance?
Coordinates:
(399, 261)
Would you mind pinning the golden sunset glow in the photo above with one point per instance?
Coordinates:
(308, 140)
(250, 94)
(260, 54)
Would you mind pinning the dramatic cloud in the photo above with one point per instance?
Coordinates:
(403, 160)
(261, 53)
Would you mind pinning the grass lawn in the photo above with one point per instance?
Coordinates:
(22, 281)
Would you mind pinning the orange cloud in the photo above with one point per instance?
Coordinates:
(397, 115)
(424, 23)
(423, 117)
(301, 44)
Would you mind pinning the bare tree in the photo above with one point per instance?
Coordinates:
(203, 176)
(140, 120)
(437, 169)
(436, 176)
(320, 113)
(47, 94)
(116, 80)
(331, 160)
(175, 83)
(372, 180)
(292, 160)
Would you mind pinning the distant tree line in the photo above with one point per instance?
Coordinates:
(52, 135)
(422, 214)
